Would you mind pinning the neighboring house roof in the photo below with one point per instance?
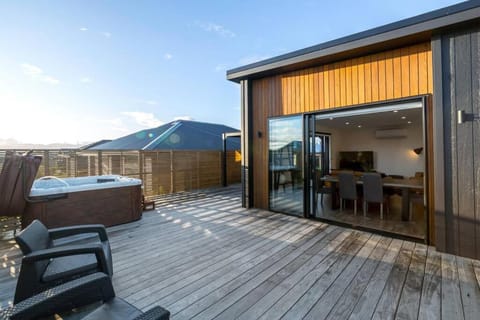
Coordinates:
(94, 144)
(411, 30)
(176, 135)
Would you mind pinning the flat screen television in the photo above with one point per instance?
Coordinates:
(356, 160)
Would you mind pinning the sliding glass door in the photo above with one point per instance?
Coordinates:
(286, 182)
(317, 153)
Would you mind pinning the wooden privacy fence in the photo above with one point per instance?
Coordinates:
(161, 171)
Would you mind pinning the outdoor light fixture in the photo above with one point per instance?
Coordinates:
(463, 117)
(259, 134)
(418, 150)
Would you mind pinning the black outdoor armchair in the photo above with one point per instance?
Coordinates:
(78, 293)
(46, 264)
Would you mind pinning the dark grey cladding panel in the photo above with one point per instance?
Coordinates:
(459, 89)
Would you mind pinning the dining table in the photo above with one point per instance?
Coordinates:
(405, 185)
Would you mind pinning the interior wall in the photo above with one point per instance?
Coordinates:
(391, 156)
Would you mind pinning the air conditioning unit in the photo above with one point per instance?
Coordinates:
(391, 134)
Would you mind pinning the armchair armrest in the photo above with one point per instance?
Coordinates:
(57, 233)
(156, 313)
(69, 250)
(72, 294)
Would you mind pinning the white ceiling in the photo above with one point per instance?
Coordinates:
(380, 120)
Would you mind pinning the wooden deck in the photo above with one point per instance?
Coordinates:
(202, 256)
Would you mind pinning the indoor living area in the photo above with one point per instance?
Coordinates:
(370, 169)
(361, 167)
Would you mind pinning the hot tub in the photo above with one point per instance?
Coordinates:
(59, 202)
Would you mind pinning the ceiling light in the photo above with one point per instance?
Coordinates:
(359, 126)
(409, 122)
(395, 111)
(331, 118)
(404, 117)
(347, 123)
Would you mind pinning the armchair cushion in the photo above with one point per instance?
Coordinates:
(68, 267)
(34, 237)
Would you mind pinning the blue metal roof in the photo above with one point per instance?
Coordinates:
(176, 135)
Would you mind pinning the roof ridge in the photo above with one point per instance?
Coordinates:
(163, 136)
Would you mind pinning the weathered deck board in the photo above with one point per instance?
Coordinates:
(373, 292)
(345, 305)
(470, 290)
(431, 298)
(347, 260)
(294, 288)
(227, 300)
(330, 297)
(452, 307)
(410, 298)
(202, 256)
(389, 300)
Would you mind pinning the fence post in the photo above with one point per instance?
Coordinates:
(140, 167)
(46, 162)
(75, 164)
(100, 164)
(198, 169)
(172, 168)
(224, 160)
(220, 169)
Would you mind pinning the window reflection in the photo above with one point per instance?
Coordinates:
(286, 165)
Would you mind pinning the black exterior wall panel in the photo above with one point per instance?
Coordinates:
(438, 144)
(246, 142)
(461, 68)
(465, 212)
(475, 52)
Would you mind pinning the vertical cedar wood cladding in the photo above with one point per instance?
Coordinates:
(388, 75)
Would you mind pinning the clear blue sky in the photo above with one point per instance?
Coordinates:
(80, 71)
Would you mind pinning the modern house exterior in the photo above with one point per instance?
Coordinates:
(411, 84)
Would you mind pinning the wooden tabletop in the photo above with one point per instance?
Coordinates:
(387, 182)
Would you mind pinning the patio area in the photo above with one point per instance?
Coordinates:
(202, 256)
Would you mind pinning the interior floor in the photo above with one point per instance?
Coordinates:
(291, 200)
(391, 222)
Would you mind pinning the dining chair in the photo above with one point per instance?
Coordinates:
(373, 192)
(323, 187)
(347, 189)
(415, 198)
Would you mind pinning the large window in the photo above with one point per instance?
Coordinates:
(286, 164)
